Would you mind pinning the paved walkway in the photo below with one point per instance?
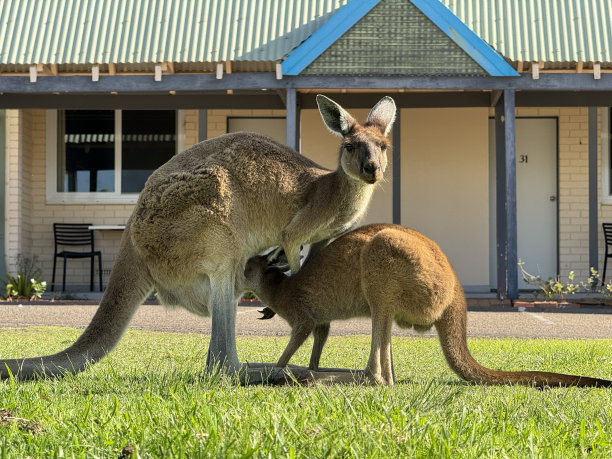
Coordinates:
(500, 323)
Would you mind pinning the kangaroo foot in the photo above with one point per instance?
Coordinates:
(270, 374)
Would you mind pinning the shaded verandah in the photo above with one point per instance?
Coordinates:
(105, 87)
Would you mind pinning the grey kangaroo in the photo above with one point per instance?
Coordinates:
(205, 212)
(390, 273)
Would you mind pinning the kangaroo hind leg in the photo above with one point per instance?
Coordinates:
(320, 332)
(299, 333)
(223, 305)
(380, 365)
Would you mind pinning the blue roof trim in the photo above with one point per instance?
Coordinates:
(345, 18)
(463, 36)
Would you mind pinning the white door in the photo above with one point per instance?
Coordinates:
(536, 197)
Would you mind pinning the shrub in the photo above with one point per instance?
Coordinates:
(27, 283)
(557, 289)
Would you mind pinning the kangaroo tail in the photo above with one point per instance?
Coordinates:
(129, 284)
(453, 339)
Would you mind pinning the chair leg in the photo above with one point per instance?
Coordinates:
(53, 276)
(100, 271)
(91, 268)
(64, 277)
(603, 276)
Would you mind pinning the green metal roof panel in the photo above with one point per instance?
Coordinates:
(553, 31)
(190, 31)
(137, 31)
(394, 38)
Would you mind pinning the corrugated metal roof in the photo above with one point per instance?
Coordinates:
(191, 31)
(541, 30)
(131, 31)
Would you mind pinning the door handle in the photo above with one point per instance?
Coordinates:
(552, 198)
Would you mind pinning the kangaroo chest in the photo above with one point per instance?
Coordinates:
(345, 216)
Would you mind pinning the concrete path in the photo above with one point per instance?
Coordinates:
(500, 323)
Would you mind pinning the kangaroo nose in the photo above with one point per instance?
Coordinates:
(370, 168)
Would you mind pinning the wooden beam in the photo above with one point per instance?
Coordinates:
(95, 72)
(292, 120)
(275, 99)
(283, 96)
(396, 161)
(579, 66)
(505, 151)
(112, 68)
(593, 186)
(564, 98)
(597, 71)
(158, 72)
(256, 81)
(279, 71)
(202, 125)
(169, 67)
(142, 102)
(495, 96)
(219, 73)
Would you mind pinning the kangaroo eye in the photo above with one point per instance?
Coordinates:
(349, 147)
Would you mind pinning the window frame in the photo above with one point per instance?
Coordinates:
(606, 150)
(105, 197)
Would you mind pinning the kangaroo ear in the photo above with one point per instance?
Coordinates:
(382, 115)
(335, 117)
(277, 259)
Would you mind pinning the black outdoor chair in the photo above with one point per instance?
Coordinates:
(607, 229)
(75, 235)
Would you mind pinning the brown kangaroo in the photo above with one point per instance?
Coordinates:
(207, 210)
(393, 274)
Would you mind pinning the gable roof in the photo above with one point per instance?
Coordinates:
(413, 37)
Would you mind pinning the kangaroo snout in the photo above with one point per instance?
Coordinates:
(371, 172)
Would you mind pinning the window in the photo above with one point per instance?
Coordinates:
(106, 155)
(86, 151)
(148, 141)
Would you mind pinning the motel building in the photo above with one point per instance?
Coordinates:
(501, 146)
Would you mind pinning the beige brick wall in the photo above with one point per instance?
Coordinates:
(190, 127)
(29, 217)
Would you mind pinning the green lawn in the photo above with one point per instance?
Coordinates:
(151, 395)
